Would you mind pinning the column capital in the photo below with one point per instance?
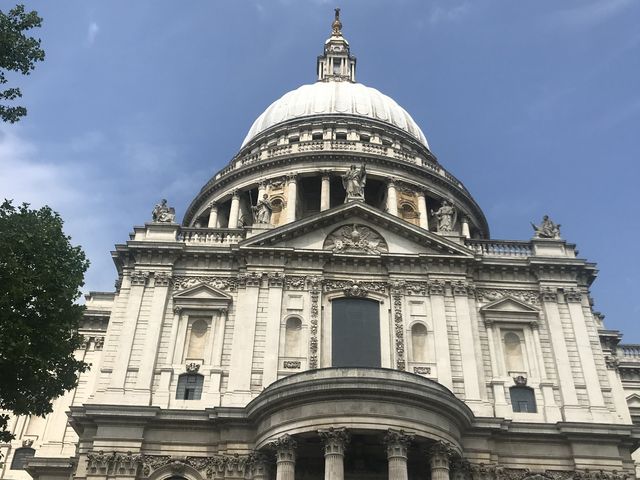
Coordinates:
(440, 450)
(212, 204)
(285, 447)
(325, 174)
(335, 440)
(397, 443)
(235, 193)
(573, 295)
(548, 295)
(291, 177)
(420, 193)
(139, 279)
(392, 181)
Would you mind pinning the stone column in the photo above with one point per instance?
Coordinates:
(397, 443)
(285, 448)
(325, 192)
(335, 441)
(422, 211)
(213, 215)
(234, 213)
(439, 454)
(292, 197)
(465, 228)
(392, 198)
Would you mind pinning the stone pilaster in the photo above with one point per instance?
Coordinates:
(285, 448)
(259, 467)
(443, 359)
(335, 442)
(397, 443)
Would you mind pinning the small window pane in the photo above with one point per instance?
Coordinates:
(21, 457)
(523, 399)
(189, 387)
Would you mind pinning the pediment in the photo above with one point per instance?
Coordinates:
(633, 401)
(509, 309)
(201, 295)
(356, 229)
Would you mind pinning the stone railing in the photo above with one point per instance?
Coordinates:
(211, 236)
(276, 151)
(630, 351)
(500, 248)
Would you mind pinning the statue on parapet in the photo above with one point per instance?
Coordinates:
(547, 229)
(354, 181)
(262, 210)
(447, 216)
(163, 213)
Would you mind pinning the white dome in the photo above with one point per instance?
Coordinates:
(326, 98)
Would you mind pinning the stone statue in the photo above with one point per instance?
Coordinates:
(354, 181)
(447, 216)
(547, 229)
(262, 211)
(163, 213)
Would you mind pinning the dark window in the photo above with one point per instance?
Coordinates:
(21, 457)
(355, 333)
(341, 136)
(316, 136)
(189, 387)
(523, 399)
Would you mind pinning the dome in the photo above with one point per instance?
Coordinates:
(336, 98)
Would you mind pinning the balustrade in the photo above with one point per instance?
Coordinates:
(499, 248)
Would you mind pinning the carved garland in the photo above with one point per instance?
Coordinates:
(314, 288)
(397, 289)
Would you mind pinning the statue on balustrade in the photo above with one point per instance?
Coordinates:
(354, 181)
(447, 216)
(547, 229)
(163, 213)
(262, 210)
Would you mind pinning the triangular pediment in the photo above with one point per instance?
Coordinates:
(633, 401)
(509, 304)
(201, 295)
(377, 233)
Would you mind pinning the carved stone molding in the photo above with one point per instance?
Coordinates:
(285, 448)
(221, 283)
(295, 282)
(292, 364)
(531, 297)
(251, 279)
(416, 288)
(573, 296)
(98, 343)
(548, 295)
(314, 291)
(352, 288)
(161, 279)
(612, 362)
(192, 367)
(139, 279)
(275, 279)
(397, 290)
(436, 287)
(461, 288)
(356, 238)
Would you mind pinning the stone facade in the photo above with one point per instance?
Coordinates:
(216, 357)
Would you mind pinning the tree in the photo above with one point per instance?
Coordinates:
(18, 53)
(40, 278)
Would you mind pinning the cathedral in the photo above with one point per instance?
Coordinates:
(332, 306)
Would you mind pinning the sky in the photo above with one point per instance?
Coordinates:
(535, 106)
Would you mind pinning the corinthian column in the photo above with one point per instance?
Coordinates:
(285, 448)
(439, 459)
(234, 212)
(335, 441)
(397, 442)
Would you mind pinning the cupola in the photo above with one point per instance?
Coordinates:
(336, 64)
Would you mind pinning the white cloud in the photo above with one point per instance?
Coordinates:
(589, 14)
(92, 32)
(441, 14)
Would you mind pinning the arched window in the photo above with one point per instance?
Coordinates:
(292, 337)
(21, 457)
(189, 386)
(277, 206)
(408, 213)
(523, 399)
(513, 352)
(419, 342)
(197, 339)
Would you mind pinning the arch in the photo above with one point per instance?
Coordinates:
(513, 356)
(409, 213)
(292, 340)
(175, 471)
(419, 334)
(189, 386)
(277, 206)
(21, 456)
(523, 399)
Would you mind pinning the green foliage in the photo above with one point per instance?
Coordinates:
(40, 278)
(18, 53)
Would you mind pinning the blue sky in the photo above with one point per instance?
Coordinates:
(535, 106)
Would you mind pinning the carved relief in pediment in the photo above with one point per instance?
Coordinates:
(356, 238)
